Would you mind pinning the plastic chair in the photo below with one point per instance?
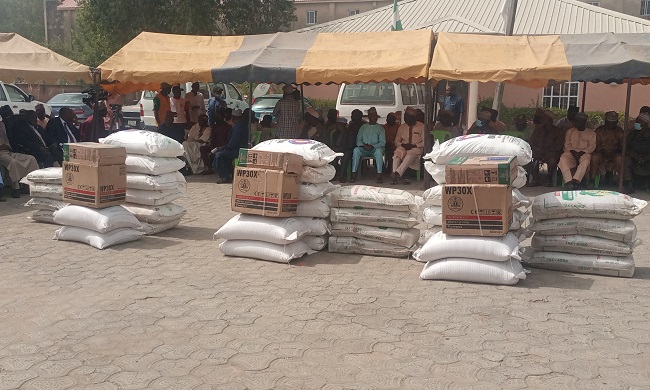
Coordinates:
(255, 137)
(273, 131)
(441, 135)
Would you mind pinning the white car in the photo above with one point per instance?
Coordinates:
(385, 97)
(231, 95)
(18, 100)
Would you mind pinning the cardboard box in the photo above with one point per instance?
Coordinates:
(287, 162)
(481, 170)
(92, 153)
(94, 186)
(476, 209)
(265, 192)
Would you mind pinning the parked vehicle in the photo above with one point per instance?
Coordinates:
(231, 95)
(131, 117)
(386, 97)
(265, 104)
(18, 100)
(72, 100)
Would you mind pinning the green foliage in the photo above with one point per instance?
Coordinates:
(323, 105)
(240, 17)
(24, 17)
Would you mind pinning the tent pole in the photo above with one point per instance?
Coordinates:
(428, 110)
(250, 106)
(584, 95)
(302, 101)
(626, 131)
(97, 121)
(509, 30)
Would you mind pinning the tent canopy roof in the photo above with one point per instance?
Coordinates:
(152, 58)
(22, 59)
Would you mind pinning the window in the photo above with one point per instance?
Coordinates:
(353, 12)
(370, 93)
(561, 95)
(409, 95)
(233, 92)
(2, 94)
(596, 3)
(312, 17)
(645, 8)
(15, 94)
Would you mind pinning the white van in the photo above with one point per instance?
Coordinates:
(386, 97)
(14, 97)
(230, 94)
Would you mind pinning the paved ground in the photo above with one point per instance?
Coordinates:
(170, 312)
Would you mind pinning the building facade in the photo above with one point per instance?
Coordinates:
(639, 8)
(311, 12)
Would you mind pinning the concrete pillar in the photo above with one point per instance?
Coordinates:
(472, 102)
(332, 11)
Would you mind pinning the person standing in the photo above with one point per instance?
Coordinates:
(288, 113)
(86, 128)
(196, 103)
(161, 103)
(224, 156)
(579, 144)
(410, 143)
(390, 127)
(180, 106)
(371, 141)
(214, 104)
(454, 102)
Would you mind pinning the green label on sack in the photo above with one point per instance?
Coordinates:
(567, 195)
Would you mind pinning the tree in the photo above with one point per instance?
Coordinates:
(24, 17)
(241, 17)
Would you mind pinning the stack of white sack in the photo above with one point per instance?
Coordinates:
(588, 232)
(273, 239)
(317, 172)
(432, 211)
(46, 190)
(99, 228)
(478, 145)
(490, 260)
(374, 221)
(153, 182)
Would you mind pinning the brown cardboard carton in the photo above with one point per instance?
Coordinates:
(94, 186)
(265, 192)
(481, 170)
(287, 162)
(92, 153)
(476, 209)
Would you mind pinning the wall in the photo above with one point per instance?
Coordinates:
(332, 10)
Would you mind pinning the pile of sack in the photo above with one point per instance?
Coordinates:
(305, 231)
(153, 181)
(46, 190)
(374, 221)
(589, 232)
(99, 228)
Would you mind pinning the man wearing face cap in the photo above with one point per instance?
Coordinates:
(547, 144)
(313, 128)
(371, 141)
(609, 144)
(567, 123)
(482, 124)
(579, 144)
(410, 143)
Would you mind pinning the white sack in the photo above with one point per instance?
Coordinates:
(581, 245)
(315, 243)
(98, 220)
(43, 190)
(442, 246)
(257, 228)
(402, 237)
(317, 208)
(317, 174)
(144, 142)
(583, 264)
(152, 198)
(474, 271)
(316, 226)
(156, 214)
(437, 172)
(167, 181)
(360, 196)
(152, 165)
(521, 179)
(479, 145)
(351, 245)
(587, 204)
(95, 239)
(43, 216)
(264, 250)
(314, 153)
(52, 175)
(46, 203)
(610, 229)
(311, 191)
(374, 217)
(155, 228)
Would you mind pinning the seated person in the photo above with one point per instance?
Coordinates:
(371, 141)
(547, 144)
(18, 165)
(224, 156)
(331, 122)
(579, 144)
(171, 129)
(343, 141)
(313, 128)
(62, 130)
(446, 123)
(391, 128)
(639, 151)
(495, 123)
(267, 127)
(220, 131)
(27, 137)
(410, 143)
(197, 146)
(607, 159)
(482, 124)
(521, 127)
